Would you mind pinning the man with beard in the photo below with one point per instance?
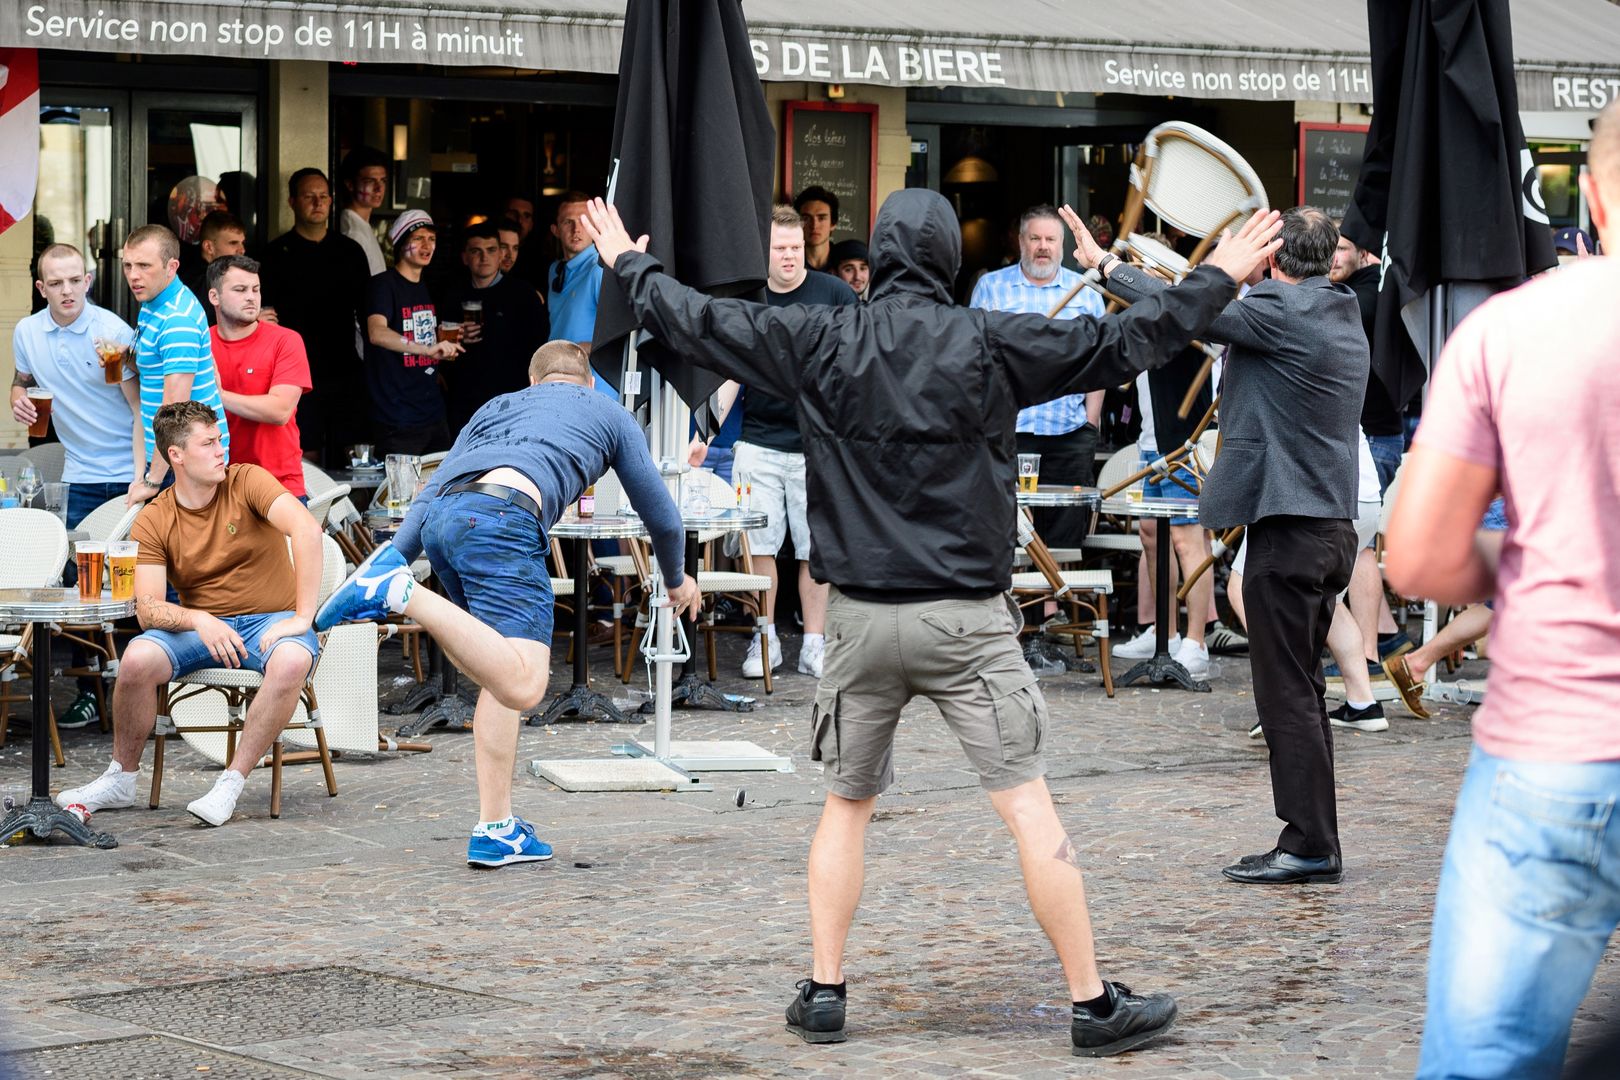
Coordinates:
(907, 407)
(1063, 431)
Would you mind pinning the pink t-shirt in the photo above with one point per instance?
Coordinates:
(1530, 385)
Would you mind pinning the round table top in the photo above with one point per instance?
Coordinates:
(728, 518)
(382, 518)
(1151, 508)
(359, 477)
(601, 527)
(49, 605)
(1060, 496)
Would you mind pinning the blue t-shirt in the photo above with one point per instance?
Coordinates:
(563, 437)
(92, 418)
(573, 307)
(172, 339)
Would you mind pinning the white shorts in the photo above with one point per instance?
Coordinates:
(777, 481)
(1367, 514)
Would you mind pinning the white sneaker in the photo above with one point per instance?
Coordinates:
(1194, 656)
(216, 807)
(112, 790)
(810, 656)
(1140, 647)
(753, 667)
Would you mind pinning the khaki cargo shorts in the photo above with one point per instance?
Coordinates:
(963, 655)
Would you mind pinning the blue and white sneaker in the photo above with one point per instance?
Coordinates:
(378, 588)
(488, 849)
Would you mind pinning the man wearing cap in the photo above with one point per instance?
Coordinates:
(848, 259)
(1572, 243)
(403, 350)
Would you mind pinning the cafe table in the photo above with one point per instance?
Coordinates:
(40, 816)
(1039, 652)
(1161, 668)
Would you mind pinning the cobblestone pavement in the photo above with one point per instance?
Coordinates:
(664, 940)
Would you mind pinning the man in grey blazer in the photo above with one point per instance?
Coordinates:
(1291, 402)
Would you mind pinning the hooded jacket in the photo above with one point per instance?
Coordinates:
(908, 402)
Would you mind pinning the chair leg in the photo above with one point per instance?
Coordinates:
(275, 778)
(708, 645)
(1102, 644)
(56, 742)
(416, 658)
(157, 772)
(326, 762)
(765, 645)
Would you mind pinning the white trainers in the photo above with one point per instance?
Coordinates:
(1140, 647)
(112, 790)
(1194, 656)
(810, 656)
(752, 667)
(216, 807)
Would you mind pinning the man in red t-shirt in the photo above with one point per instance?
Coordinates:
(263, 371)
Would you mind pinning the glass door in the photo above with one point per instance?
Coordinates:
(191, 155)
(83, 193)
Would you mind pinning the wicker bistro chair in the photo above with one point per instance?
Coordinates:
(49, 459)
(623, 572)
(110, 521)
(1192, 181)
(214, 701)
(36, 548)
(1084, 592)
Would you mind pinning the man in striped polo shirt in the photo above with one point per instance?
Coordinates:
(172, 349)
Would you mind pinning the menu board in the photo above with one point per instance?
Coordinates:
(833, 145)
(1329, 163)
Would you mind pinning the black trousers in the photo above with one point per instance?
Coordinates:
(1295, 571)
(1070, 458)
(424, 439)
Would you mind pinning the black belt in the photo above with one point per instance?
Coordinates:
(521, 500)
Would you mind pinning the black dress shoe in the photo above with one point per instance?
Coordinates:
(1134, 1021)
(1278, 867)
(818, 1017)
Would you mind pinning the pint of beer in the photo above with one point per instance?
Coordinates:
(472, 313)
(1029, 472)
(41, 399)
(112, 360)
(121, 568)
(90, 555)
(451, 332)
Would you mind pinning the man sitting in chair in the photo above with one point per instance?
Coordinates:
(219, 536)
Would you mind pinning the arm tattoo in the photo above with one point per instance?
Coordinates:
(21, 378)
(157, 613)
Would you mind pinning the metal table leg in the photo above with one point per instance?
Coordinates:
(1162, 668)
(692, 690)
(579, 701)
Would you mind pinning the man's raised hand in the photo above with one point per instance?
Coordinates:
(1246, 251)
(1086, 251)
(606, 230)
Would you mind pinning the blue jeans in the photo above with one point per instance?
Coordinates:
(1529, 896)
(490, 559)
(718, 461)
(1386, 455)
(187, 653)
(83, 498)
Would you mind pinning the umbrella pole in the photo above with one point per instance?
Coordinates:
(670, 419)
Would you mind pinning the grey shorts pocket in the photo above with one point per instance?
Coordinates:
(824, 745)
(965, 619)
(1020, 709)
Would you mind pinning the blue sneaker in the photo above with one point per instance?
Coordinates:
(378, 588)
(487, 849)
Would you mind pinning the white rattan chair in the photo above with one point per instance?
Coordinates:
(1084, 592)
(36, 548)
(49, 459)
(1192, 181)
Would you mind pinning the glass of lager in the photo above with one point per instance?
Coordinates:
(90, 557)
(1029, 471)
(121, 568)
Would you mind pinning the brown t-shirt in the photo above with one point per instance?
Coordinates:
(225, 559)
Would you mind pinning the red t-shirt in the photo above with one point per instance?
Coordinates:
(270, 356)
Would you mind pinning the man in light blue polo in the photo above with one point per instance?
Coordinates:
(574, 281)
(94, 419)
(1063, 431)
(172, 350)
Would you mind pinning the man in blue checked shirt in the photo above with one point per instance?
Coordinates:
(1063, 431)
(172, 351)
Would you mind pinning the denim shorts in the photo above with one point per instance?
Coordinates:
(490, 559)
(1169, 489)
(187, 653)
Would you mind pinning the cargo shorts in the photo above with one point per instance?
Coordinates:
(963, 655)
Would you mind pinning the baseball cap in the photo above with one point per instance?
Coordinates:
(845, 250)
(407, 223)
(1564, 240)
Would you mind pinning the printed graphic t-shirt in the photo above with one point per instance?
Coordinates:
(404, 388)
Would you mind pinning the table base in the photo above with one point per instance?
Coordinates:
(692, 691)
(1160, 670)
(42, 817)
(436, 709)
(577, 705)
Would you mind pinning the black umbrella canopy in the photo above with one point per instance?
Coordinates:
(694, 154)
(1448, 192)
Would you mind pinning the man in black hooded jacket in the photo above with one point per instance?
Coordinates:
(907, 405)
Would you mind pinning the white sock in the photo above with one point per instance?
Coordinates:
(814, 639)
(399, 592)
(502, 826)
(1359, 705)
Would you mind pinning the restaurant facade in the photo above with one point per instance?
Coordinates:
(156, 110)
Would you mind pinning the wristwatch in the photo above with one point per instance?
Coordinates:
(1102, 263)
(146, 478)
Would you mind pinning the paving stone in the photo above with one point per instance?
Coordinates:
(142, 1058)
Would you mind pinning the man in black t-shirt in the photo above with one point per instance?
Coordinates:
(403, 350)
(502, 323)
(769, 457)
(315, 279)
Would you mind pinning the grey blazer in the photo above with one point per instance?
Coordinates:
(1295, 377)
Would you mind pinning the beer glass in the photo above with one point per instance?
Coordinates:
(1029, 471)
(121, 568)
(90, 557)
(451, 332)
(472, 312)
(56, 501)
(360, 456)
(404, 473)
(112, 355)
(41, 399)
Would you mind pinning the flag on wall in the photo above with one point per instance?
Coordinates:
(19, 133)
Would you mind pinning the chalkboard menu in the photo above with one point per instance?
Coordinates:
(833, 145)
(1329, 162)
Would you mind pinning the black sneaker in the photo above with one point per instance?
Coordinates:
(1256, 731)
(1225, 641)
(1134, 1021)
(1369, 719)
(818, 1018)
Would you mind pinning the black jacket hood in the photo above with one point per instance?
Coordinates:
(916, 247)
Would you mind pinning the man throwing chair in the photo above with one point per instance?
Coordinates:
(220, 537)
(483, 522)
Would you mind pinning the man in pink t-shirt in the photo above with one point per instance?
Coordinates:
(1526, 400)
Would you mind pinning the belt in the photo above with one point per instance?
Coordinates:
(521, 500)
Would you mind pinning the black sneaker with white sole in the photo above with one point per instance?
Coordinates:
(1255, 731)
(1370, 718)
(816, 1017)
(1135, 1019)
